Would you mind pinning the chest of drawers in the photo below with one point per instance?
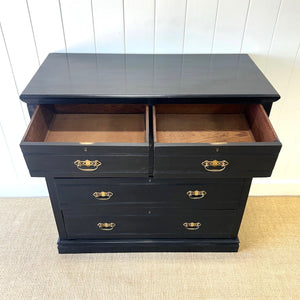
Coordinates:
(149, 152)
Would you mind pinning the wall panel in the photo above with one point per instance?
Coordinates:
(7, 172)
(109, 29)
(280, 69)
(230, 25)
(169, 26)
(259, 30)
(14, 176)
(78, 25)
(11, 114)
(139, 24)
(47, 27)
(200, 25)
(19, 39)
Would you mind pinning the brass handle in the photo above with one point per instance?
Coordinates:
(106, 226)
(207, 164)
(87, 165)
(103, 195)
(195, 195)
(192, 225)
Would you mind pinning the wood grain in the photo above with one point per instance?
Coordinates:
(203, 128)
(200, 108)
(93, 128)
(99, 108)
(89, 123)
(260, 124)
(39, 125)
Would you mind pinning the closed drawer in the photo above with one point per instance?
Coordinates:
(99, 193)
(213, 141)
(88, 140)
(184, 224)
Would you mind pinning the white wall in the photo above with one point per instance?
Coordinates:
(269, 30)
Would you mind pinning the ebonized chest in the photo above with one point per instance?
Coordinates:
(149, 152)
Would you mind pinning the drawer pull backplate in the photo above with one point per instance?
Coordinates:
(106, 226)
(103, 195)
(87, 165)
(215, 165)
(192, 225)
(195, 195)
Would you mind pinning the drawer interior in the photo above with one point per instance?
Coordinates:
(89, 123)
(212, 123)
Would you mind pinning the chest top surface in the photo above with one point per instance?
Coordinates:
(147, 78)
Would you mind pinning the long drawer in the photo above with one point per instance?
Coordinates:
(186, 224)
(79, 194)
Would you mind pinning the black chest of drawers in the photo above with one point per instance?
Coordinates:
(149, 152)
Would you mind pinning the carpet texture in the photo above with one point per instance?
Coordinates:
(266, 266)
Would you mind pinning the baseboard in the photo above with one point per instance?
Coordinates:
(34, 187)
(275, 187)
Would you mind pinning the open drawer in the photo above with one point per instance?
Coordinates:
(84, 140)
(213, 140)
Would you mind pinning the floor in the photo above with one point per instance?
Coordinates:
(266, 266)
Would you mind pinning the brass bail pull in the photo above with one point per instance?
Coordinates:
(195, 195)
(87, 165)
(192, 225)
(103, 195)
(106, 226)
(215, 165)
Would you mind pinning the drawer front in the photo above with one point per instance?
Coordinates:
(86, 165)
(185, 224)
(100, 193)
(231, 161)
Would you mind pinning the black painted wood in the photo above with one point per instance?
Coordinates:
(50, 164)
(77, 194)
(147, 245)
(167, 222)
(147, 78)
(155, 220)
(246, 160)
(31, 108)
(60, 224)
(241, 209)
(268, 106)
(149, 180)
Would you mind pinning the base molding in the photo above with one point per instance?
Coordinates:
(147, 245)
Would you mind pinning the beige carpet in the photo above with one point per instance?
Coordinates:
(266, 267)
